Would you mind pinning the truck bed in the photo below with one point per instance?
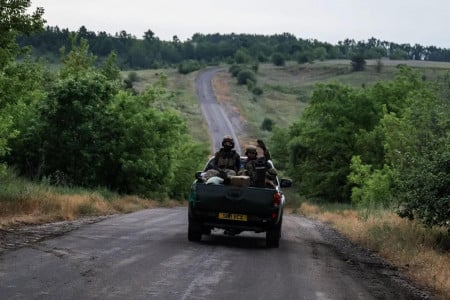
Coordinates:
(234, 199)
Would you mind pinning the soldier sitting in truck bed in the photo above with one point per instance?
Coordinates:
(226, 161)
(260, 171)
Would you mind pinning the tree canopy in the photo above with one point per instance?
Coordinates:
(384, 146)
(79, 127)
(151, 52)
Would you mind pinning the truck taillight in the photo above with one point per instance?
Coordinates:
(276, 199)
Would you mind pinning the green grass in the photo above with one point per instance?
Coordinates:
(286, 90)
(184, 100)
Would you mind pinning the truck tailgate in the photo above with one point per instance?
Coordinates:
(227, 198)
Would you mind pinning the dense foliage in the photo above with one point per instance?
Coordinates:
(384, 146)
(151, 52)
(80, 127)
(19, 83)
(387, 145)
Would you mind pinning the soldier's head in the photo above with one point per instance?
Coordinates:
(250, 152)
(227, 142)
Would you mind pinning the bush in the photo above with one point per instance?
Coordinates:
(189, 66)
(133, 76)
(242, 57)
(234, 70)
(246, 75)
(255, 67)
(257, 91)
(250, 85)
(373, 189)
(305, 57)
(358, 63)
(278, 59)
(267, 124)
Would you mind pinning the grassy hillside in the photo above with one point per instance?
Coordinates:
(185, 97)
(286, 90)
(420, 253)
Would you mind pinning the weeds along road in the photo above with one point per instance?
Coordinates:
(146, 255)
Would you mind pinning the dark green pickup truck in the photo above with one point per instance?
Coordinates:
(236, 208)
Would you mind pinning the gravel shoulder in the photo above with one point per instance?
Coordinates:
(373, 269)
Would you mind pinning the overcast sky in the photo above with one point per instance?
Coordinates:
(426, 22)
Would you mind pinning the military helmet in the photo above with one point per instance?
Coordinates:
(250, 149)
(227, 139)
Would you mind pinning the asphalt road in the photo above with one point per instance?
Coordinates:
(218, 123)
(146, 255)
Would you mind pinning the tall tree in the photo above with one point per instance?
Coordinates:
(13, 21)
(323, 141)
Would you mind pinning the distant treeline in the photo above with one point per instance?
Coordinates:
(151, 52)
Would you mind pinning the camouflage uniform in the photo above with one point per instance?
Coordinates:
(224, 159)
(260, 171)
(227, 161)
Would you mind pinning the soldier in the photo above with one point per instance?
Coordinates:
(260, 171)
(264, 148)
(227, 161)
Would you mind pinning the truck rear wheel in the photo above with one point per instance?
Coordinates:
(194, 231)
(273, 236)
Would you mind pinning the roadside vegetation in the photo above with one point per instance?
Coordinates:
(376, 198)
(70, 133)
(28, 202)
(366, 141)
(422, 253)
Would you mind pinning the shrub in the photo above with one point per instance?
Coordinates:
(189, 66)
(133, 77)
(246, 75)
(257, 91)
(267, 124)
(242, 57)
(278, 59)
(358, 62)
(305, 57)
(255, 67)
(234, 70)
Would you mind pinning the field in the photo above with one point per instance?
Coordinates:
(420, 253)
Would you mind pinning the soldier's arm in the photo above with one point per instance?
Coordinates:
(266, 151)
(213, 162)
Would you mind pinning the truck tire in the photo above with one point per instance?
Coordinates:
(194, 231)
(273, 236)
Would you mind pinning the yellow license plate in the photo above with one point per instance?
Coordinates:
(234, 217)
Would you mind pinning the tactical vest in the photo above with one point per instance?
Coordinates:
(226, 160)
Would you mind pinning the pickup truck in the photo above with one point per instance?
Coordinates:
(236, 208)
